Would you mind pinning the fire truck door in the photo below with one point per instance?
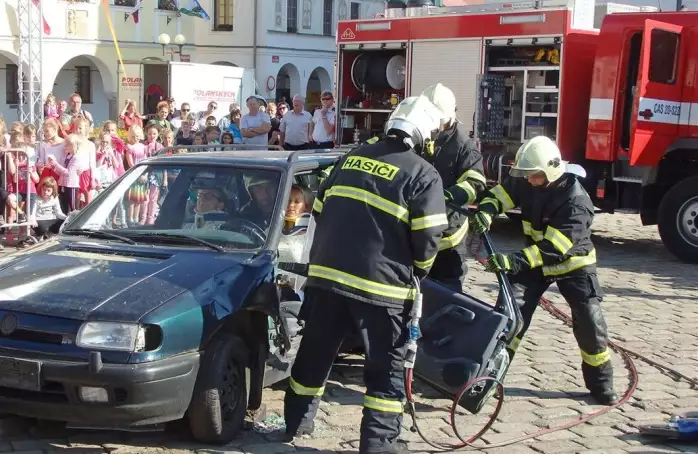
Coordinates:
(657, 104)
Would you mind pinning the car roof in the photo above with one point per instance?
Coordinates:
(262, 158)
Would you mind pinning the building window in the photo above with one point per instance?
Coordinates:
(11, 84)
(664, 52)
(83, 83)
(354, 10)
(292, 16)
(224, 15)
(129, 3)
(168, 5)
(327, 18)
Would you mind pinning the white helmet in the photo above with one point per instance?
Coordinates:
(539, 154)
(416, 120)
(444, 99)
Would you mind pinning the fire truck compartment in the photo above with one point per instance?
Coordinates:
(372, 83)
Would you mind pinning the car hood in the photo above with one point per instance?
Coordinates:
(102, 281)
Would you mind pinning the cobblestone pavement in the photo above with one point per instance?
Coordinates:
(649, 305)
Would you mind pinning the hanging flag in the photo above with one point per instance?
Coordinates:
(47, 29)
(134, 12)
(195, 10)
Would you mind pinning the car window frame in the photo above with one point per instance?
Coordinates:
(276, 222)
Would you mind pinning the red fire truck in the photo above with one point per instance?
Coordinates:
(622, 100)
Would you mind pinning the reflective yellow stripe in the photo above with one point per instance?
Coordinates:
(537, 235)
(558, 239)
(598, 359)
(469, 189)
(425, 264)
(501, 194)
(507, 263)
(317, 205)
(514, 345)
(375, 288)
(473, 175)
(533, 256)
(388, 406)
(448, 195)
(373, 140)
(369, 198)
(490, 201)
(455, 238)
(304, 390)
(426, 222)
(571, 264)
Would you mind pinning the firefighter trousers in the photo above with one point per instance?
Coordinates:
(329, 320)
(450, 266)
(583, 294)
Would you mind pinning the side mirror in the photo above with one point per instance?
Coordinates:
(68, 219)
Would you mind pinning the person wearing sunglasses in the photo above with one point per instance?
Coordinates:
(210, 112)
(183, 115)
(322, 127)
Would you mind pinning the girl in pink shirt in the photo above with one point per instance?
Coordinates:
(137, 194)
(76, 162)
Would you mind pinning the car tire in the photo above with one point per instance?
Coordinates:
(217, 409)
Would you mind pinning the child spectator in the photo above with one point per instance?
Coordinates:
(82, 128)
(152, 140)
(50, 107)
(137, 194)
(76, 162)
(14, 201)
(4, 136)
(53, 145)
(30, 142)
(227, 138)
(200, 138)
(213, 135)
(46, 215)
(185, 135)
(107, 162)
(22, 175)
(157, 183)
(233, 126)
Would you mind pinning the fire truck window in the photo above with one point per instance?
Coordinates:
(664, 54)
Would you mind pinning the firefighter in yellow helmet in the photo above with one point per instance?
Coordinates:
(386, 204)
(557, 214)
(459, 163)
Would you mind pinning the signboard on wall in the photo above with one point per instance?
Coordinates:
(130, 85)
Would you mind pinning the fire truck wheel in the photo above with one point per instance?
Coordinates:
(678, 220)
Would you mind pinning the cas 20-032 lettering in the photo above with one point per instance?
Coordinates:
(667, 109)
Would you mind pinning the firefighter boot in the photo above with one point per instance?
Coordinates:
(605, 396)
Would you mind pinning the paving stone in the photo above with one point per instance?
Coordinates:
(552, 447)
(601, 442)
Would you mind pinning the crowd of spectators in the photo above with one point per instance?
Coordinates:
(76, 159)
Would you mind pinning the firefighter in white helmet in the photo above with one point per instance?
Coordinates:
(459, 163)
(557, 213)
(386, 205)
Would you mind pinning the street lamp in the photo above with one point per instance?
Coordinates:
(179, 40)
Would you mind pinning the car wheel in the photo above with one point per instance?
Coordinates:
(217, 410)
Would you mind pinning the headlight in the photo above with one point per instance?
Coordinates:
(111, 336)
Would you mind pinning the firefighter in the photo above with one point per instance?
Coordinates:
(459, 163)
(379, 217)
(556, 215)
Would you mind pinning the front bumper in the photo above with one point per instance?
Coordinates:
(138, 394)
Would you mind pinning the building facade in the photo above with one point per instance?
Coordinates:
(289, 43)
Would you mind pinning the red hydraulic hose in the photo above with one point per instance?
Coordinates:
(467, 442)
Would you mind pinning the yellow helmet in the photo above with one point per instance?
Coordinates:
(539, 154)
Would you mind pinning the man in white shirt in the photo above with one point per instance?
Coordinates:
(322, 127)
(295, 126)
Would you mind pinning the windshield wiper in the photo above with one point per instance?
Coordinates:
(182, 239)
(98, 234)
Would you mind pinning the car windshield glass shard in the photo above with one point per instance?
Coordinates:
(175, 238)
(218, 206)
(98, 234)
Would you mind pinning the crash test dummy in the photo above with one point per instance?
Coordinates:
(557, 213)
(387, 205)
